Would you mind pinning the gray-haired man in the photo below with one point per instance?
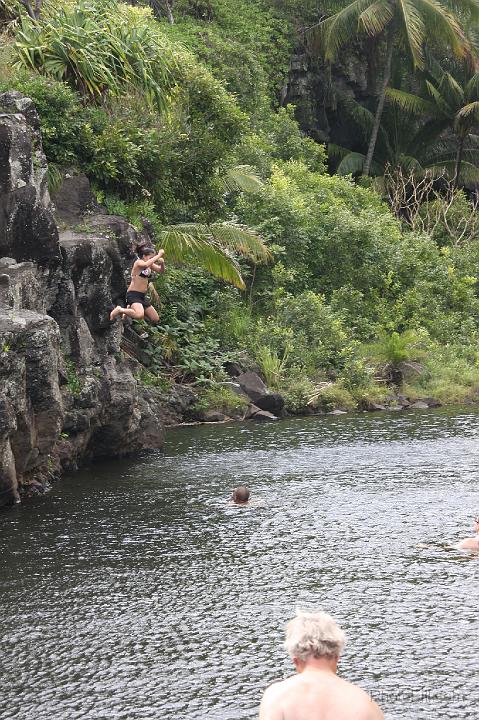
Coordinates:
(315, 642)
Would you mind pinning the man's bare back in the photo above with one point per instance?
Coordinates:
(317, 695)
(314, 642)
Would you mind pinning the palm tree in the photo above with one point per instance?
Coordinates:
(455, 103)
(401, 23)
(401, 141)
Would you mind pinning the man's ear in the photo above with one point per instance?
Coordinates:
(298, 664)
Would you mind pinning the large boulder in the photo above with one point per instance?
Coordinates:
(410, 370)
(73, 198)
(252, 385)
(271, 402)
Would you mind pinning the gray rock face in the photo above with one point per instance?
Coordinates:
(68, 393)
(73, 199)
(410, 370)
(263, 416)
(252, 385)
(27, 227)
(271, 402)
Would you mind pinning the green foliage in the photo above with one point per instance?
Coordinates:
(179, 124)
(73, 381)
(272, 366)
(181, 343)
(277, 136)
(221, 398)
(98, 49)
(398, 347)
(452, 375)
(60, 114)
(327, 230)
(234, 39)
(331, 396)
(177, 159)
(297, 390)
(150, 379)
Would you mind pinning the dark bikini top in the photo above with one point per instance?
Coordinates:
(146, 273)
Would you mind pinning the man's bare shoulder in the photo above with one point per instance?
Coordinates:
(365, 707)
(352, 697)
(271, 703)
(337, 696)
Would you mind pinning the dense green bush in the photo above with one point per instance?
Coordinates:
(245, 44)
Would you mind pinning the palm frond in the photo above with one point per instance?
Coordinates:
(469, 172)
(467, 8)
(184, 247)
(337, 152)
(413, 25)
(240, 240)
(410, 103)
(440, 102)
(230, 237)
(443, 25)
(331, 34)
(351, 164)
(471, 90)
(451, 90)
(376, 17)
(242, 178)
(471, 109)
(409, 163)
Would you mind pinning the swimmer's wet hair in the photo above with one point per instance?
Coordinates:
(241, 493)
(314, 635)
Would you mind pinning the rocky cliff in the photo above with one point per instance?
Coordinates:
(68, 392)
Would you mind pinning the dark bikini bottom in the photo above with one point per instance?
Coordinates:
(134, 296)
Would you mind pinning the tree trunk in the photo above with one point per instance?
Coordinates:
(380, 106)
(159, 7)
(457, 168)
(169, 11)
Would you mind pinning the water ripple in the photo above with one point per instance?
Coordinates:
(134, 590)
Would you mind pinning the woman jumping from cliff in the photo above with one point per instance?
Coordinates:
(138, 305)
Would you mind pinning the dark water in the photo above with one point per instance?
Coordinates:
(134, 590)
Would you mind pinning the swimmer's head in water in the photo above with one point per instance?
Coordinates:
(241, 494)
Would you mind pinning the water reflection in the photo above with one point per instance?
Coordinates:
(135, 590)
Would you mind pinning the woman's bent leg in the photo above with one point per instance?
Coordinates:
(151, 315)
(136, 311)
